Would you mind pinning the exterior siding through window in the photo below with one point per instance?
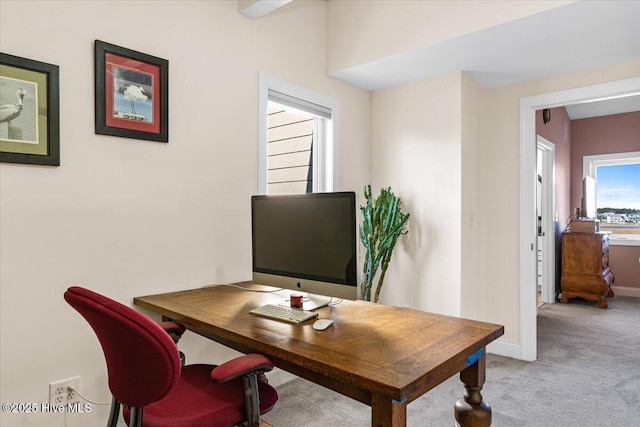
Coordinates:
(289, 151)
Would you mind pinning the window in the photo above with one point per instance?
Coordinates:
(617, 179)
(297, 139)
(290, 135)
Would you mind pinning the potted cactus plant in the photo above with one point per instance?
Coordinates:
(382, 223)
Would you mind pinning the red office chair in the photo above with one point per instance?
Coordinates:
(175, 331)
(144, 372)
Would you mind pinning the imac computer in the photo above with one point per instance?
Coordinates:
(306, 243)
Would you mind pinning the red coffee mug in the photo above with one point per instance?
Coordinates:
(296, 301)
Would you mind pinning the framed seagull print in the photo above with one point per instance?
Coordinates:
(29, 111)
(131, 93)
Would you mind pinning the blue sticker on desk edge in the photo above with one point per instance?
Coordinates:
(473, 358)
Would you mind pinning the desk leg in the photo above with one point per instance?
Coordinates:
(386, 412)
(471, 411)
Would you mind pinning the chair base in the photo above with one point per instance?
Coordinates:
(114, 413)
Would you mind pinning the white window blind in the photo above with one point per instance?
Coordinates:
(299, 104)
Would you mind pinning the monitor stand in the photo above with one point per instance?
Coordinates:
(312, 302)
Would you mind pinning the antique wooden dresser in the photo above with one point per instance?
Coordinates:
(585, 267)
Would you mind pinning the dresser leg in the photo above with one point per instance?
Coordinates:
(471, 410)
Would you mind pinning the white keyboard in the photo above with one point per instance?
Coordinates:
(291, 315)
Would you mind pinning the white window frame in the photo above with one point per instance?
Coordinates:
(589, 168)
(590, 163)
(325, 152)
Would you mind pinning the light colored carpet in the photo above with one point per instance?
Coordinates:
(587, 375)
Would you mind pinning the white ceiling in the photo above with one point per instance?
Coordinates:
(577, 36)
(604, 108)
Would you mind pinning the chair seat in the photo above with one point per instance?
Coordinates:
(197, 401)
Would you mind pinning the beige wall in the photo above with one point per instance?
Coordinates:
(416, 149)
(475, 226)
(129, 217)
(361, 31)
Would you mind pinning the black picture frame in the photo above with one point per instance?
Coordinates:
(126, 79)
(33, 134)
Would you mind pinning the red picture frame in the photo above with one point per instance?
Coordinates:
(131, 93)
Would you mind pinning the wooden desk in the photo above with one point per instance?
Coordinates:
(385, 357)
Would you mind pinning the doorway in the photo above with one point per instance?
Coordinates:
(545, 217)
(528, 220)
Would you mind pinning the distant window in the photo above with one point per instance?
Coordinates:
(617, 179)
(297, 139)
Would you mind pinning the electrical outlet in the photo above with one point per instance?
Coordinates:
(72, 396)
(61, 392)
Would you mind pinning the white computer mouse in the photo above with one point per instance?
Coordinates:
(322, 324)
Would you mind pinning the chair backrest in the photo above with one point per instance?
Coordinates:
(142, 360)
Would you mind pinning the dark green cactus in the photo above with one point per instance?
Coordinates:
(382, 223)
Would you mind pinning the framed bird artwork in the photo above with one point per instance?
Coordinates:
(131, 93)
(29, 111)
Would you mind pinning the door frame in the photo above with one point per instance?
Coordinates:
(528, 221)
(548, 150)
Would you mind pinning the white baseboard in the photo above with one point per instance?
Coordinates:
(504, 348)
(625, 291)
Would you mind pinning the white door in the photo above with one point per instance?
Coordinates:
(546, 228)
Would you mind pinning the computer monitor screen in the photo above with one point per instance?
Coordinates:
(306, 242)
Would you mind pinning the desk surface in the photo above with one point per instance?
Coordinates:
(372, 350)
